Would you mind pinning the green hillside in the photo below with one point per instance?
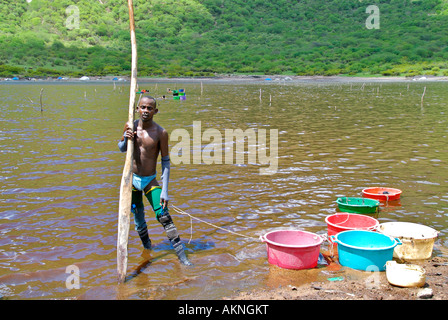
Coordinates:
(204, 37)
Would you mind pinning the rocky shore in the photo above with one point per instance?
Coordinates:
(348, 284)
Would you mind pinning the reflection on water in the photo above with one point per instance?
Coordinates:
(61, 171)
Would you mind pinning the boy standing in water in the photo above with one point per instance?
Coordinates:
(150, 139)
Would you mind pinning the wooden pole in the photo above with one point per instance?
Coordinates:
(124, 214)
(423, 95)
(42, 106)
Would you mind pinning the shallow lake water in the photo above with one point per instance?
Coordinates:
(61, 172)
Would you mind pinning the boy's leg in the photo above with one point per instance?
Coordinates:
(164, 218)
(139, 218)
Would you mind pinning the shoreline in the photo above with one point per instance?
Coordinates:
(240, 78)
(334, 282)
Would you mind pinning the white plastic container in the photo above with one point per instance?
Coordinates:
(417, 239)
(405, 275)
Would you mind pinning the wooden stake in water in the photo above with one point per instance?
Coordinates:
(124, 214)
(423, 95)
(41, 104)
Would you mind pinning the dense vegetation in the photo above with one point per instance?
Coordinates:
(204, 37)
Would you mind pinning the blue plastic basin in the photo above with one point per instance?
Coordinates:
(365, 250)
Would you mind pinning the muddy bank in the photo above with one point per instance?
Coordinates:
(341, 283)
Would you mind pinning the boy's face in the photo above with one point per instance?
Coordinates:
(147, 109)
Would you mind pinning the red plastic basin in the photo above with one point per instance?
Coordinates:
(381, 193)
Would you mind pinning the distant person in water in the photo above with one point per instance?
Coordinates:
(150, 139)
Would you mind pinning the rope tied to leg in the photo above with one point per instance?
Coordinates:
(210, 224)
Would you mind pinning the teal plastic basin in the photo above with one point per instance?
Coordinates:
(365, 250)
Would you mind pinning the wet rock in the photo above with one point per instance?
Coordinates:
(425, 293)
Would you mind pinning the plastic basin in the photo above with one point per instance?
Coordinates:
(345, 221)
(292, 249)
(417, 239)
(365, 250)
(405, 275)
(382, 193)
(358, 205)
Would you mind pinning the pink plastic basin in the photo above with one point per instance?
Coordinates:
(292, 249)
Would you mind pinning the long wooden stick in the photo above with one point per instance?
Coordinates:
(423, 95)
(124, 214)
(42, 106)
